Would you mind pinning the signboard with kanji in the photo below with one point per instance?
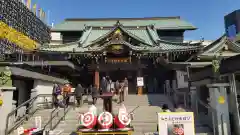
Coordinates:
(176, 123)
(140, 81)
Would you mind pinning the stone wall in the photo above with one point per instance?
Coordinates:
(42, 87)
(182, 81)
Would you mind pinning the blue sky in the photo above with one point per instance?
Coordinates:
(207, 15)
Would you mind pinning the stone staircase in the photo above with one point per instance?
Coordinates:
(45, 117)
(145, 116)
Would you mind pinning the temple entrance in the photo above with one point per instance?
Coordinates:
(120, 75)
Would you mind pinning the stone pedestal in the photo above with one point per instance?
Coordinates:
(140, 90)
(34, 93)
(193, 95)
(233, 105)
(7, 107)
(219, 104)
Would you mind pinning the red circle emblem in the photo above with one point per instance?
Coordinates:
(88, 120)
(178, 131)
(123, 119)
(105, 120)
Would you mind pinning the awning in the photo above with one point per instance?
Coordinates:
(44, 63)
(34, 75)
(53, 63)
(227, 66)
(183, 65)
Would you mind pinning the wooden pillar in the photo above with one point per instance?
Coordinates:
(139, 88)
(96, 78)
(139, 74)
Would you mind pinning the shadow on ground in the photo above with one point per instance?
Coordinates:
(159, 100)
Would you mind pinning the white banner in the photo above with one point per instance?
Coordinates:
(38, 122)
(140, 81)
(176, 123)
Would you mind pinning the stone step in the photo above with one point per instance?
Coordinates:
(145, 116)
(202, 129)
(210, 133)
(156, 133)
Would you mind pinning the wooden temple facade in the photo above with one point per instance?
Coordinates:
(123, 47)
(152, 48)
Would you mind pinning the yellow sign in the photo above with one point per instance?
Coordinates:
(221, 100)
(1, 96)
(1, 102)
(118, 60)
(117, 47)
(16, 37)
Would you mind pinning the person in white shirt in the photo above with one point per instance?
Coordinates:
(125, 87)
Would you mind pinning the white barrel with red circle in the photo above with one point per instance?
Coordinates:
(122, 120)
(105, 120)
(89, 120)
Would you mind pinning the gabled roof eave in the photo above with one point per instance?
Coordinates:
(114, 29)
(218, 44)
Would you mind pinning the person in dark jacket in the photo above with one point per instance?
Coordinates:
(79, 94)
(121, 93)
(55, 93)
(94, 91)
(103, 85)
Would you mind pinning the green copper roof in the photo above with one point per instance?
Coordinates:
(174, 46)
(163, 47)
(158, 22)
(98, 39)
(93, 35)
(219, 44)
(142, 35)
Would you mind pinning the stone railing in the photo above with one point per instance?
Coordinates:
(15, 117)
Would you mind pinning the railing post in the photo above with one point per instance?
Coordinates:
(197, 107)
(51, 125)
(219, 100)
(47, 132)
(64, 109)
(74, 103)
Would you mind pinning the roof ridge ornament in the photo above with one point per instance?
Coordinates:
(118, 23)
(152, 26)
(85, 27)
(202, 40)
(189, 42)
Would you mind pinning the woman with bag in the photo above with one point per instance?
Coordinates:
(56, 93)
(66, 91)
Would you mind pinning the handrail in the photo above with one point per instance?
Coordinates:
(184, 94)
(212, 110)
(50, 121)
(19, 121)
(204, 104)
(51, 118)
